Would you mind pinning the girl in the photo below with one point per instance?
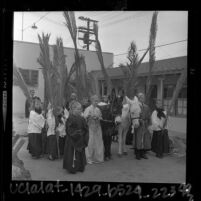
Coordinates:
(160, 140)
(35, 126)
(61, 129)
(76, 140)
(95, 149)
(52, 149)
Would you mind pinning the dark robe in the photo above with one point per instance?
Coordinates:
(35, 144)
(77, 137)
(51, 146)
(62, 144)
(160, 142)
(107, 129)
(142, 136)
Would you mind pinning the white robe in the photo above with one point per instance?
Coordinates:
(95, 149)
(36, 122)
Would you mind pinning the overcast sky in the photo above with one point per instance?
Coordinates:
(116, 30)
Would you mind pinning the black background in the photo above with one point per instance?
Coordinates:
(193, 113)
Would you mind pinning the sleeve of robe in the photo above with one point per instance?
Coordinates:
(154, 120)
(37, 119)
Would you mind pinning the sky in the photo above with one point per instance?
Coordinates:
(117, 29)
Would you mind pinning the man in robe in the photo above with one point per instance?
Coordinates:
(142, 136)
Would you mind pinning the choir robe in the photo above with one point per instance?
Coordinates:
(77, 137)
(51, 146)
(142, 136)
(160, 139)
(35, 126)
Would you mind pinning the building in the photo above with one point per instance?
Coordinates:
(165, 75)
(25, 55)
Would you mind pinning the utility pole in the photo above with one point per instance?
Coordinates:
(87, 31)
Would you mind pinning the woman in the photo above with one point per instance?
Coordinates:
(95, 149)
(160, 140)
(52, 149)
(76, 141)
(35, 126)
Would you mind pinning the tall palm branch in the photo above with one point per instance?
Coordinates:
(152, 39)
(59, 63)
(100, 58)
(49, 72)
(71, 25)
(19, 81)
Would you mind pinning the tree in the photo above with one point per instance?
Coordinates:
(19, 81)
(130, 70)
(152, 39)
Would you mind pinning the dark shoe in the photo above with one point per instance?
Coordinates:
(125, 153)
(50, 157)
(119, 155)
(80, 170)
(159, 155)
(110, 157)
(138, 157)
(72, 172)
(107, 159)
(144, 156)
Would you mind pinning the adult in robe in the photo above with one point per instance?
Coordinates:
(35, 126)
(108, 126)
(29, 104)
(77, 136)
(95, 149)
(142, 136)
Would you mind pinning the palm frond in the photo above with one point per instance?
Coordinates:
(19, 81)
(152, 40)
(100, 58)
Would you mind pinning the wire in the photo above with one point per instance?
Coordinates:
(155, 46)
(36, 21)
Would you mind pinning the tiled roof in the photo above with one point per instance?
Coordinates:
(165, 66)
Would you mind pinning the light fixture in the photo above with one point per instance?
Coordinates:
(34, 26)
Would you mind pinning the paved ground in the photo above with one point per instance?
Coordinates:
(170, 169)
(127, 169)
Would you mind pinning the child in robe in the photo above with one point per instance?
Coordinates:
(74, 159)
(51, 149)
(61, 129)
(35, 126)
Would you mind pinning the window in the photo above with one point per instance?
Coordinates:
(30, 77)
(180, 107)
(168, 91)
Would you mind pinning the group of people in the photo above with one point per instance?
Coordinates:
(82, 133)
